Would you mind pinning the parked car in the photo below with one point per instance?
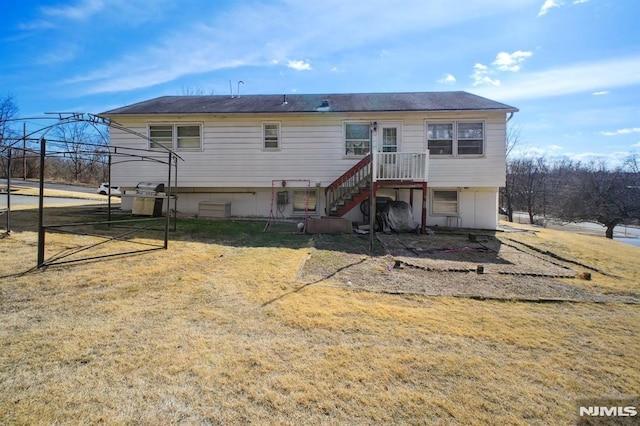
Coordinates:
(104, 189)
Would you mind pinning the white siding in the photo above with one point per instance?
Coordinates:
(232, 159)
(311, 148)
(488, 170)
(232, 154)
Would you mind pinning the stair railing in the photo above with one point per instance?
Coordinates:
(348, 183)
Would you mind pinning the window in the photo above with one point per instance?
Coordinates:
(357, 138)
(389, 139)
(440, 138)
(468, 140)
(175, 136)
(444, 203)
(188, 137)
(162, 135)
(304, 203)
(271, 135)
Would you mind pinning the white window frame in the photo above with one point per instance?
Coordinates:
(456, 139)
(345, 151)
(460, 139)
(453, 129)
(382, 126)
(313, 192)
(174, 135)
(437, 210)
(278, 137)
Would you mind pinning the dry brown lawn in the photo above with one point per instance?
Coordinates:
(230, 326)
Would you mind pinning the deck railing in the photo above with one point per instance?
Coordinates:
(401, 166)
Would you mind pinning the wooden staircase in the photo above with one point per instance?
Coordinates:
(350, 189)
(391, 169)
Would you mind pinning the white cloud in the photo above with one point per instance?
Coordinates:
(38, 24)
(265, 31)
(447, 79)
(115, 12)
(627, 131)
(66, 54)
(80, 11)
(510, 61)
(601, 93)
(548, 4)
(612, 159)
(481, 76)
(573, 78)
(528, 152)
(299, 65)
(484, 75)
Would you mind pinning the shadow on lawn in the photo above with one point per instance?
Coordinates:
(444, 245)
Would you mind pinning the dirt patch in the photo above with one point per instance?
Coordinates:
(481, 266)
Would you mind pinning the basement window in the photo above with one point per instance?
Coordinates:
(305, 200)
(444, 202)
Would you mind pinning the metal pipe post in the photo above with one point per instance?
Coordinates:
(9, 193)
(175, 196)
(168, 217)
(43, 150)
(109, 193)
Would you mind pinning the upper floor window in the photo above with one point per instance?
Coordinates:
(470, 138)
(455, 138)
(357, 138)
(175, 136)
(440, 138)
(271, 135)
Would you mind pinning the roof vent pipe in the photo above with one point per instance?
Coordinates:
(230, 89)
(284, 100)
(238, 95)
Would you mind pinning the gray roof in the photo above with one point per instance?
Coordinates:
(294, 103)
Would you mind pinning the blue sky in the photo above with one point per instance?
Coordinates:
(572, 67)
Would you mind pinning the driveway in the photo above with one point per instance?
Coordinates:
(22, 202)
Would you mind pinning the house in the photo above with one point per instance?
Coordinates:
(309, 154)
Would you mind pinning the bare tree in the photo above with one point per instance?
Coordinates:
(527, 177)
(8, 112)
(609, 197)
(514, 136)
(514, 133)
(197, 90)
(82, 149)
